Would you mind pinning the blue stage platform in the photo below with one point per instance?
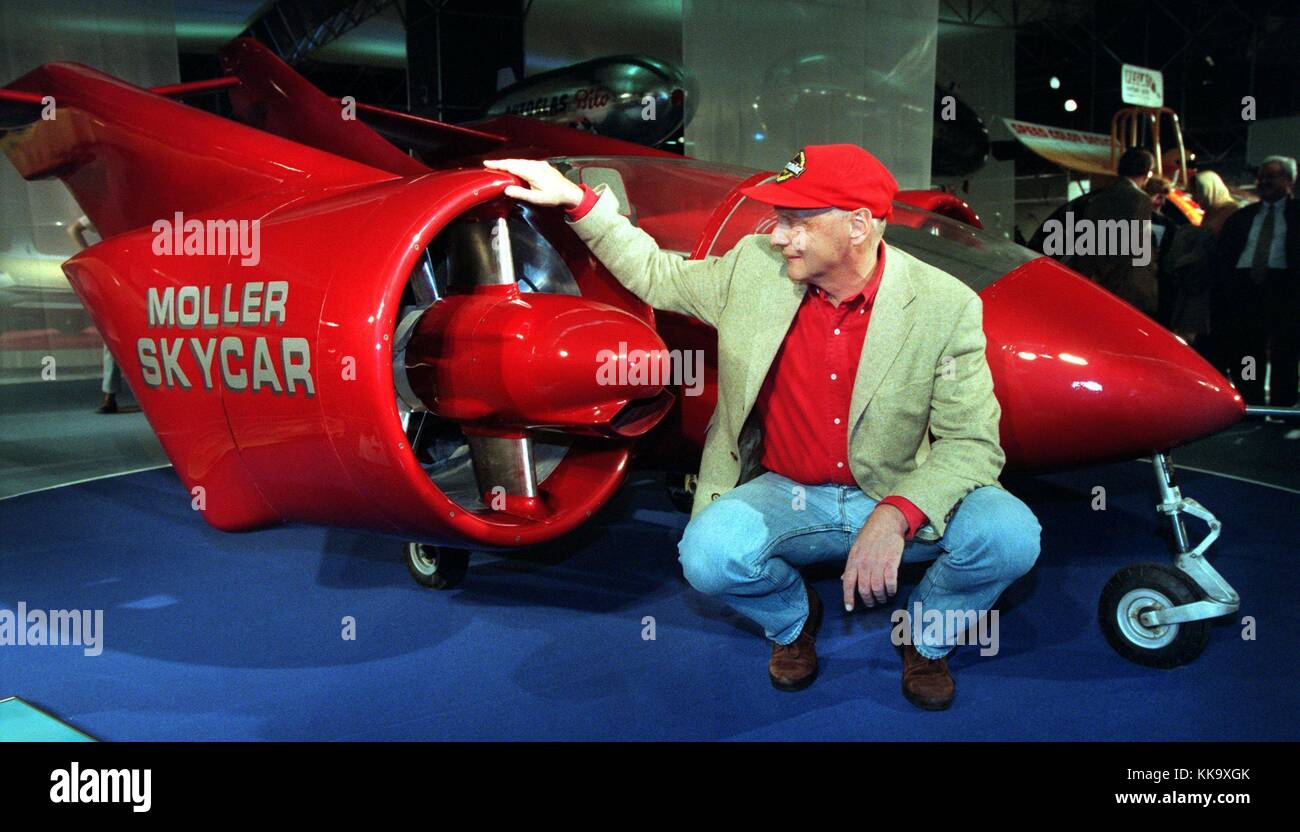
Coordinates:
(212, 636)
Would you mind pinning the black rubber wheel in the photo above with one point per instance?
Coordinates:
(682, 498)
(1145, 586)
(437, 567)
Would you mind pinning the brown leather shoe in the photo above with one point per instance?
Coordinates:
(793, 666)
(927, 684)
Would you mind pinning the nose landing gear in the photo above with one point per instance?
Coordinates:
(1157, 615)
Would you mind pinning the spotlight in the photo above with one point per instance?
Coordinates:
(1071, 105)
(1055, 83)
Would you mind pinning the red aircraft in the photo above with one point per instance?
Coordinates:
(324, 328)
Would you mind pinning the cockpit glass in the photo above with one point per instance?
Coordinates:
(673, 199)
(972, 255)
(670, 199)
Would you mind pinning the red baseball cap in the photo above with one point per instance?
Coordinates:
(831, 176)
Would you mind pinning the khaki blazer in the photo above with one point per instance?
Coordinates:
(923, 415)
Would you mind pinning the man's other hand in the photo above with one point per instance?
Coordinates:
(872, 567)
(546, 185)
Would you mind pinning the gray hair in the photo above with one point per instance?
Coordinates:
(1287, 163)
(877, 224)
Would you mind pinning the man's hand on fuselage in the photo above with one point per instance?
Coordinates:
(872, 567)
(546, 185)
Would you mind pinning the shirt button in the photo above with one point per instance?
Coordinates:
(837, 420)
(839, 465)
(862, 311)
(837, 331)
(833, 376)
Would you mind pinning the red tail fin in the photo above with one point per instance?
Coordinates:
(274, 98)
(131, 157)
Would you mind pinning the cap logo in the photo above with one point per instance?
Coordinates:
(793, 168)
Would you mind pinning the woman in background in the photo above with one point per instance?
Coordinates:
(1212, 195)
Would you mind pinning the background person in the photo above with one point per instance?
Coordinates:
(111, 383)
(1124, 200)
(1209, 191)
(1257, 287)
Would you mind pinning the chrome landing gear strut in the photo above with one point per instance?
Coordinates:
(1158, 615)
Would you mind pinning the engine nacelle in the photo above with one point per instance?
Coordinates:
(269, 378)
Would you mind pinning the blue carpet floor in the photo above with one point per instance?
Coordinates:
(211, 636)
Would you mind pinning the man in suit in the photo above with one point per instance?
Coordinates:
(1257, 287)
(819, 448)
(1124, 200)
(1057, 219)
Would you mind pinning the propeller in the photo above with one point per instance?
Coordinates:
(497, 250)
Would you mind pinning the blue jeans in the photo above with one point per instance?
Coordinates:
(747, 546)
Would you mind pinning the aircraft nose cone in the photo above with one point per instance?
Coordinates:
(1085, 377)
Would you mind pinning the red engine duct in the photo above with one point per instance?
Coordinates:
(271, 385)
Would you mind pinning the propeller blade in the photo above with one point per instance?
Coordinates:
(483, 251)
(503, 462)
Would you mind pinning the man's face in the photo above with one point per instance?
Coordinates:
(1271, 182)
(813, 241)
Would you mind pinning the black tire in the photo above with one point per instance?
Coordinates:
(682, 498)
(437, 567)
(1134, 589)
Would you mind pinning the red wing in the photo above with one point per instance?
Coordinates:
(431, 138)
(19, 109)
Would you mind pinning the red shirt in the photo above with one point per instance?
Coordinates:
(804, 402)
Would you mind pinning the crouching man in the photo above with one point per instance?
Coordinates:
(839, 358)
